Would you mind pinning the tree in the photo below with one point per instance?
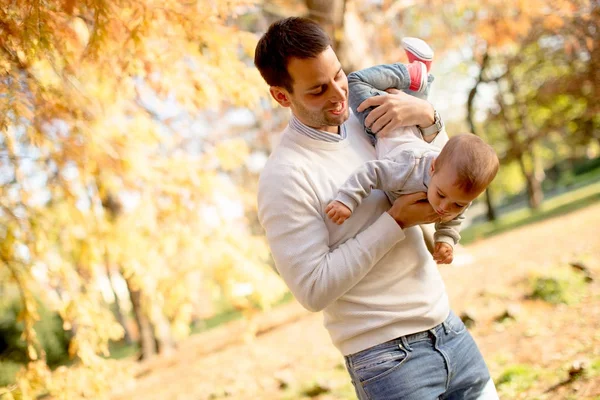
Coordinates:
(491, 213)
(510, 43)
(540, 89)
(99, 152)
(340, 19)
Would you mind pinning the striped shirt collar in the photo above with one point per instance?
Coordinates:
(317, 134)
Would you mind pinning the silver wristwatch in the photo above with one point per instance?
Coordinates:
(434, 129)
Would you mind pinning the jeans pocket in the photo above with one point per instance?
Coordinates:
(378, 362)
(455, 324)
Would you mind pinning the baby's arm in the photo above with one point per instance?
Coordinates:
(388, 175)
(446, 236)
(337, 212)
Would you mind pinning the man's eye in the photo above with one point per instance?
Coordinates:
(441, 195)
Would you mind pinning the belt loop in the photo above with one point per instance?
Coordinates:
(405, 344)
(349, 363)
(446, 329)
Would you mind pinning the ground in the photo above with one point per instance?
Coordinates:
(530, 353)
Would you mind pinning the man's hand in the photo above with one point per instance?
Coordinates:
(337, 212)
(443, 253)
(395, 110)
(413, 209)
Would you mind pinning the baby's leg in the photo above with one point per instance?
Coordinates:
(412, 78)
(425, 93)
(418, 50)
(373, 81)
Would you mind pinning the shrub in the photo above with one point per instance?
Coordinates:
(584, 166)
(8, 370)
(50, 333)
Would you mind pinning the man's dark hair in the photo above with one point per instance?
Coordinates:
(285, 39)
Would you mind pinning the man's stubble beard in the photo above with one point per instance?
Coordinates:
(339, 120)
(320, 118)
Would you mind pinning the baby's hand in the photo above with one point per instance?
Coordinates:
(443, 253)
(337, 212)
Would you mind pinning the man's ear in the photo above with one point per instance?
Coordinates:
(280, 95)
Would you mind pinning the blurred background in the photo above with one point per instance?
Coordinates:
(132, 264)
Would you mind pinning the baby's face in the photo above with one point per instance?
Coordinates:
(445, 197)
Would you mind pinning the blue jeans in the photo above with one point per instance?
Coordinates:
(441, 363)
(374, 81)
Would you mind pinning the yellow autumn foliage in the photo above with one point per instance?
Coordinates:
(102, 172)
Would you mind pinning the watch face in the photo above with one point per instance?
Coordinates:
(437, 121)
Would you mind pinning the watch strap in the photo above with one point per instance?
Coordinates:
(434, 128)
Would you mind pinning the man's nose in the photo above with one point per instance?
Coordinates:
(338, 93)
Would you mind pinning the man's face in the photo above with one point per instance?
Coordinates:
(446, 198)
(320, 91)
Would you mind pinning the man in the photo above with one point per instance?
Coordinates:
(384, 302)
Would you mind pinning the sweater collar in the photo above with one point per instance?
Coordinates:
(316, 134)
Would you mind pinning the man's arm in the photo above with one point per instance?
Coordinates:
(383, 174)
(374, 81)
(440, 139)
(299, 240)
(395, 110)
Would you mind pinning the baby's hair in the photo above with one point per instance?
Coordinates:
(475, 162)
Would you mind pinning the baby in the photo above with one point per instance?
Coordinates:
(407, 163)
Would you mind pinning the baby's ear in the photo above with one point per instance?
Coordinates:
(432, 168)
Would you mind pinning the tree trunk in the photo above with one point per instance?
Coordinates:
(535, 176)
(147, 343)
(534, 187)
(163, 339)
(117, 309)
(118, 312)
(330, 15)
(537, 193)
(534, 190)
(491, 212)
(346, 30)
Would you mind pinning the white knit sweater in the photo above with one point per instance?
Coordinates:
(373, 280)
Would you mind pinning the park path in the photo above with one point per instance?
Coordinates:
(294, 348)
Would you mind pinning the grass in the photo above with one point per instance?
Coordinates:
(216, 320)
(516, 379)
(563, 287)
(559, 205)
(581, 179)
(594, 368)
(230, 315)
(331, 383)
(120, 350)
